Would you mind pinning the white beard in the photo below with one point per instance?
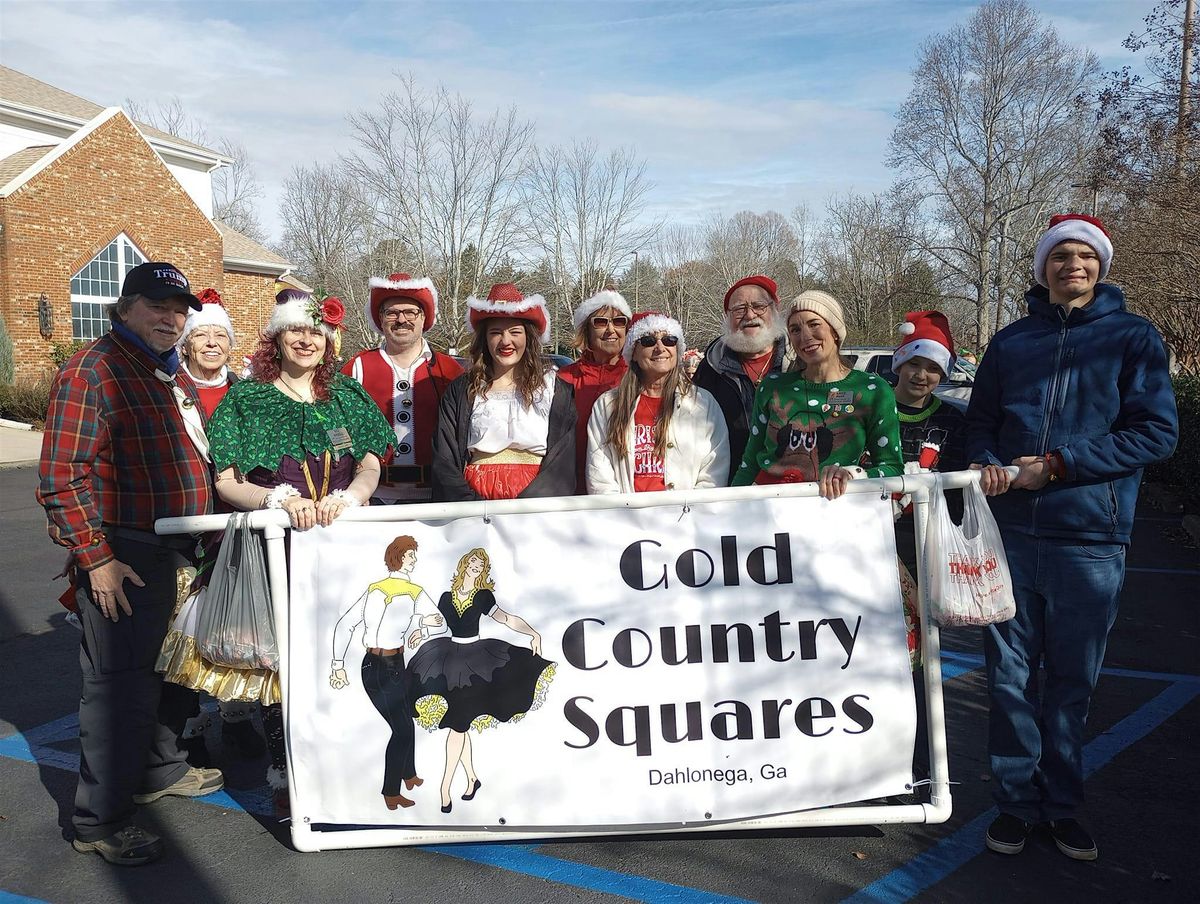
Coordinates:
(743, 344)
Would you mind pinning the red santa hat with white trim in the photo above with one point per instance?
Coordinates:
(609, 298)
(506, 300)
(420, 292)
(927, 335)
(212, 313)
(1072, 227)
(649, 322)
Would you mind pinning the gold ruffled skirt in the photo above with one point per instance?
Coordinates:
(180, 661)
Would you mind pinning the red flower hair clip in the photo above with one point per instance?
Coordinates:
(333, 312)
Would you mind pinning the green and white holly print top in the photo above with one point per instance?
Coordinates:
(798, 427)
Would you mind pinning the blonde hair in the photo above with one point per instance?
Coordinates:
(485, 577)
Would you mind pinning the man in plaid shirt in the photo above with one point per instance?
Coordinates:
(124, 445)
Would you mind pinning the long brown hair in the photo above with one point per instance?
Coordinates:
(629, 390)
(529, 374)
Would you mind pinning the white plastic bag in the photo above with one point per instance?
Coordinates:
(969, 580)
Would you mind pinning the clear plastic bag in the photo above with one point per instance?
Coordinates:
(967, 570)
(236, 626)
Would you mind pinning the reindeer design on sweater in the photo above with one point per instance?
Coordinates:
(803, 440)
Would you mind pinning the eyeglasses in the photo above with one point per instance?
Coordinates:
(651, 341)
(758, 307)
(393, 314)
(601, 323)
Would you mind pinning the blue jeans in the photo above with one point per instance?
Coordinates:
(1067, 595)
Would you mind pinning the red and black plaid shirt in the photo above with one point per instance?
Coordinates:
(115, 450)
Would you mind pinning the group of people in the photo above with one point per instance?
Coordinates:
(149, 422)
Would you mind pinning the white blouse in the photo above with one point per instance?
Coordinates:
(501, 421)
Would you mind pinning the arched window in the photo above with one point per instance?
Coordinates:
(98, 285)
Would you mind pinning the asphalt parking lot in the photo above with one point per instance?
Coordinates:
(1141, 759)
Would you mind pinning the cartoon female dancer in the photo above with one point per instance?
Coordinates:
(462, 681)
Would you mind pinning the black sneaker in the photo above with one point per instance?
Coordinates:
(1073, 839)
(244, 738)
(1007, 834)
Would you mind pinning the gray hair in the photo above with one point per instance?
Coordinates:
(118, 309)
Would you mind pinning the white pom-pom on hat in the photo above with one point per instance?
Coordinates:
(906, 329)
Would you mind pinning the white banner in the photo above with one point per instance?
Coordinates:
(723, 661)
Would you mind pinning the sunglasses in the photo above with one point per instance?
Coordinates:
(602, 323)
(397, 314)
(651, 341)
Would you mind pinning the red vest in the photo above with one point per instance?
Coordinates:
(430, 379)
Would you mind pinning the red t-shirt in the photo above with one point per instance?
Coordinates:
(647, 470)
(210, 397)
(757, 368)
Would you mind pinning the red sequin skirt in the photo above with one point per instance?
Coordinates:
(502, 475)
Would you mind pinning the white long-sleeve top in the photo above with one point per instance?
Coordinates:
(501, 421)
(390, 610)
(697, 455)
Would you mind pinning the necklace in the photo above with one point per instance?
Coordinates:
(286, 385)
(756, 378)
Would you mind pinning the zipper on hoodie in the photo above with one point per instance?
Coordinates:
(1050, 401)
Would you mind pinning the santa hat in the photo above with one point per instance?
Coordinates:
(927, 334)
(609, 298)
(506, 300)
(400, 285)
(825, 306)
(1072, 227)
(296, 308)
(649, 322)
(763, 282)
(212, 313)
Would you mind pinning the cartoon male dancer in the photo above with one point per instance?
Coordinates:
(389, 611)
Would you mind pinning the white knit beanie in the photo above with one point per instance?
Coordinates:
(823, 304)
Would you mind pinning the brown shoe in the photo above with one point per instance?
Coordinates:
(397, 800)
(131, 846)
(415, 782)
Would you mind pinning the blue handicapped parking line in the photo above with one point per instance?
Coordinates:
(902, 884)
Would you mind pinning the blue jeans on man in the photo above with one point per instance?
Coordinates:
(1067, 594)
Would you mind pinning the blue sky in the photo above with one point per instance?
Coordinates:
(734, 105)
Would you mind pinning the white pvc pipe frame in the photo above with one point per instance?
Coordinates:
(274, 523)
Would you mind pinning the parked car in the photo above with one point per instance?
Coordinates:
(955, 389)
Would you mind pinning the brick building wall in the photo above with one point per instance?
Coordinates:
(110, 182)
(250, 299)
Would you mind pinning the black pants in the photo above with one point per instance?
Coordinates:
(129, 720)
(386, 684)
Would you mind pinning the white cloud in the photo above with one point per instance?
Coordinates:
(733, 105)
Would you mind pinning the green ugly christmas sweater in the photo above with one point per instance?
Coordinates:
(798, 427)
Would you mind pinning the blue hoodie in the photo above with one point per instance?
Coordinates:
(1092, 385)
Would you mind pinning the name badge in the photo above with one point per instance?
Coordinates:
(339, 437)
(845, 397)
